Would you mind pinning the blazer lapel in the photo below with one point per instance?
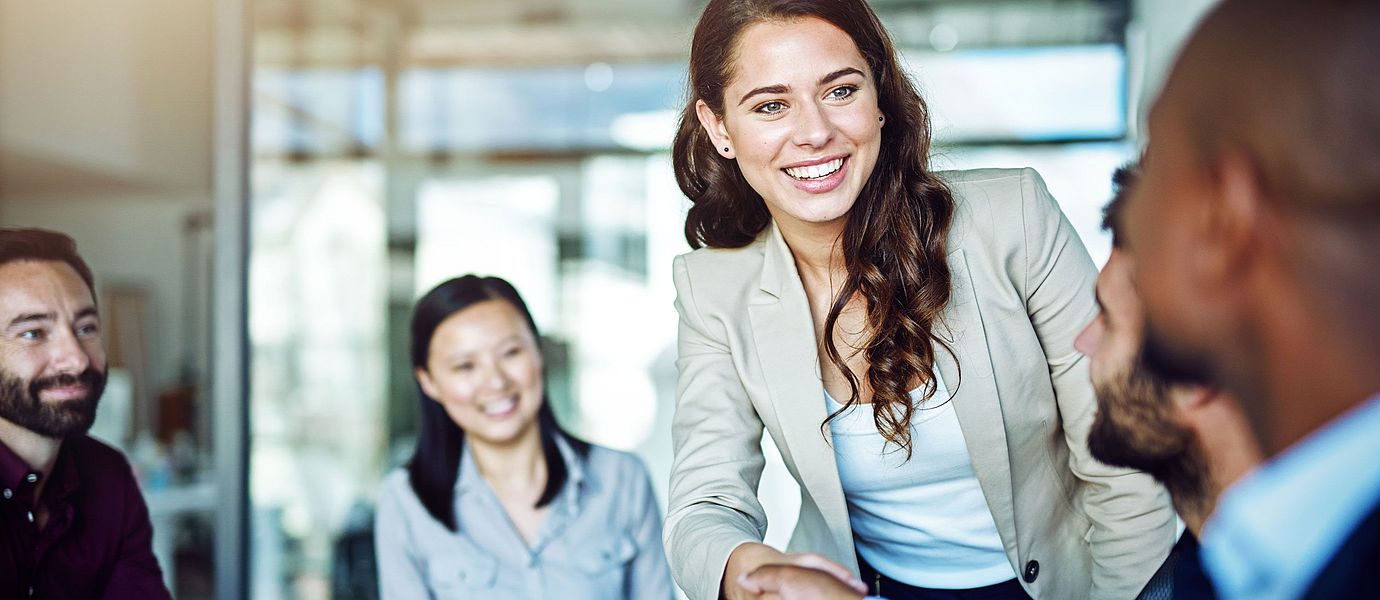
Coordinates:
(785, 339)
(975, 396)
(784, 335)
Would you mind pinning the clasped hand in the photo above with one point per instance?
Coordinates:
(757, 571)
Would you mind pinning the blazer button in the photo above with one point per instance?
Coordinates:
(1032, 570)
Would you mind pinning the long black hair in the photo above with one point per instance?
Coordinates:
(435, 465)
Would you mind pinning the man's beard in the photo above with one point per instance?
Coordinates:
(24, 406)
(1135, 428)
(1171, 367)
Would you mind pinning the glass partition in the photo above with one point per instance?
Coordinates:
(377, 178)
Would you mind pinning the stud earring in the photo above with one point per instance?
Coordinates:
(881, 118)
(725, 148)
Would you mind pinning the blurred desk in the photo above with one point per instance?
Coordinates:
(165, 506)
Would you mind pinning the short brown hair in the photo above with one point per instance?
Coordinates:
(26, 243)
(1123, 178)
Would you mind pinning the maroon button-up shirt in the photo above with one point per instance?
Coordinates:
(97, 542)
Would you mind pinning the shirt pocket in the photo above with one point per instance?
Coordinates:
(603, 566)
(457, 575)
(606, 555)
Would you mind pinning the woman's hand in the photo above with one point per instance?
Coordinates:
(748, 557)
(790, 582)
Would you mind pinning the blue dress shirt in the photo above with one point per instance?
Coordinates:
(600, 540)
(1276, 529)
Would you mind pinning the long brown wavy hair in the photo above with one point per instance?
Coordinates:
(894, 244)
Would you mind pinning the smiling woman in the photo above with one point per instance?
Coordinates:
(499, 501)
(806, 142)
(905, 336)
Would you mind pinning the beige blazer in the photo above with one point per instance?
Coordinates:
(1022, 289)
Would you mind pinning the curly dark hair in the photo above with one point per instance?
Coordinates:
(894, 244)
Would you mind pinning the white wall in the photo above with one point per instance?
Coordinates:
(132, 239)
(1158, 30)
(105, 134)
(112, 89)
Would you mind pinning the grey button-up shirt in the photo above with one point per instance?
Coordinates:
(601, 538)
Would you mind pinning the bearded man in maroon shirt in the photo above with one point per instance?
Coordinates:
(72, 521)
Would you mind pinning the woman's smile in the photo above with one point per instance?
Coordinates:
(501, 408)
(485, 370)
(818, 177)
(801, 121)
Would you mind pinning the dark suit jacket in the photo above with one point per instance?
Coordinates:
(1354, 572)
(1190, 581)
(1181, 576)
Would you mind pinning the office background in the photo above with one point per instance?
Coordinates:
(263, 187)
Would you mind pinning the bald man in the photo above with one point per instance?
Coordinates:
(1256, 233)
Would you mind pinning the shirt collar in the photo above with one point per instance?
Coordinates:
(1275, 530)
(470, 480)
(13, 470)
(17, 476)
(575, 474)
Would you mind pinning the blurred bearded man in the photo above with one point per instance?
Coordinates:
(1187, 435)
(72, 521)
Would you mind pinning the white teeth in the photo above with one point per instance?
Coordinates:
(500, 407)
(816, 171)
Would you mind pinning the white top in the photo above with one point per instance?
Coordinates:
(1276, 529)
(922, 521)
